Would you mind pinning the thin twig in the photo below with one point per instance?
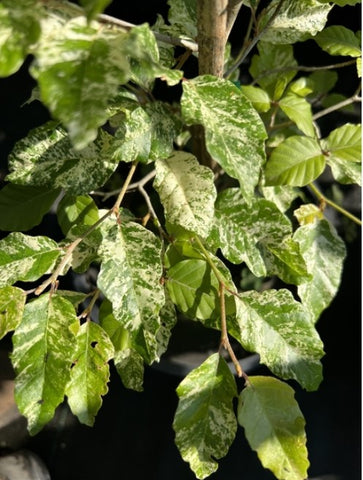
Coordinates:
(348, 101)
(254, 41)
(132, 186)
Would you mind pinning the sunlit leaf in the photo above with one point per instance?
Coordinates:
(90, 371)
(22, 207)
(299, 111)
(234, 132)
(281, 330)
(258, 97)
(12, 301)
(339, 40)
(76, 210)
(205, 423)
(297, 161)
(324, 253)
(42, 357)
(26, 258)
(187, 192)
(344, 143)
(274, 427)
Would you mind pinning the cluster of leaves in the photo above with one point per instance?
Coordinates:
(264, 139)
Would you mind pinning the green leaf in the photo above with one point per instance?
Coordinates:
(302, 87)
(146, 134)
(344, 144)
(12, 301)
(205, 423)
(299, 111)
(90, 372)
(76, 210)
(296, 21)
(45, 158)
(269, 58)
(79, 68)
(280, 329)
(22, 207)
(324, 80)
(26, 258)
(258, 97)
(42, 357)
(187, 192)
(274, 427)
(130, 276)
(94, 7)
(297, 161)
(308, 213)
(234, 132)
(19, 25)
(324, 253)
(339, 40)
(342, 3)
(242, 228)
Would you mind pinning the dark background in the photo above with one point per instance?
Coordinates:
(133, 435)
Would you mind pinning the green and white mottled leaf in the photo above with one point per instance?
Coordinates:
(45, 158)
(339, 40)
(234, 132)
(281, 195)
(94, 7)
(20, 29)
(258, 97)
(76, 210)
(42, 356)
(182, 16)
(12, 302)
(26, 258)
(308, 213)
(89, 374)
(130, 276)
(324, 252)
(269, 58)
(299, 111)
(168, 320)
(296, 21)
(297, 161)
(240, 229)
(79, 68)
(22, 207)
(86, 251)
(205, 424)
(187, 192)
(274, 427)
(281, 330)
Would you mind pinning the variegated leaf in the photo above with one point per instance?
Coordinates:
(274, 427)
(234, 132)
(42, 357)
(281, 330)
(12, 302)
(26, 258)
(90, 371)
(205, 423)
(324, 252)
(45, 158)
(187, 192)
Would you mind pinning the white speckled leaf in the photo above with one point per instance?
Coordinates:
(12, 301)
(45, 158)
(130, 276)
(296, 21)
(299, 111)
(187, 192)
(240, 229)
(90, 371)
(234, 132)
(205, 423)
(20, 29)
(269, 58)
(22, 206)
(297, 161)
(274, 427)
(344, 145)
(182, 16)
(26, 258)
(281, 195)
(42, 357)
(324, 252)
(79, 68)
(76, 210)
(86, 252)
(281, 330)
(339, 40)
